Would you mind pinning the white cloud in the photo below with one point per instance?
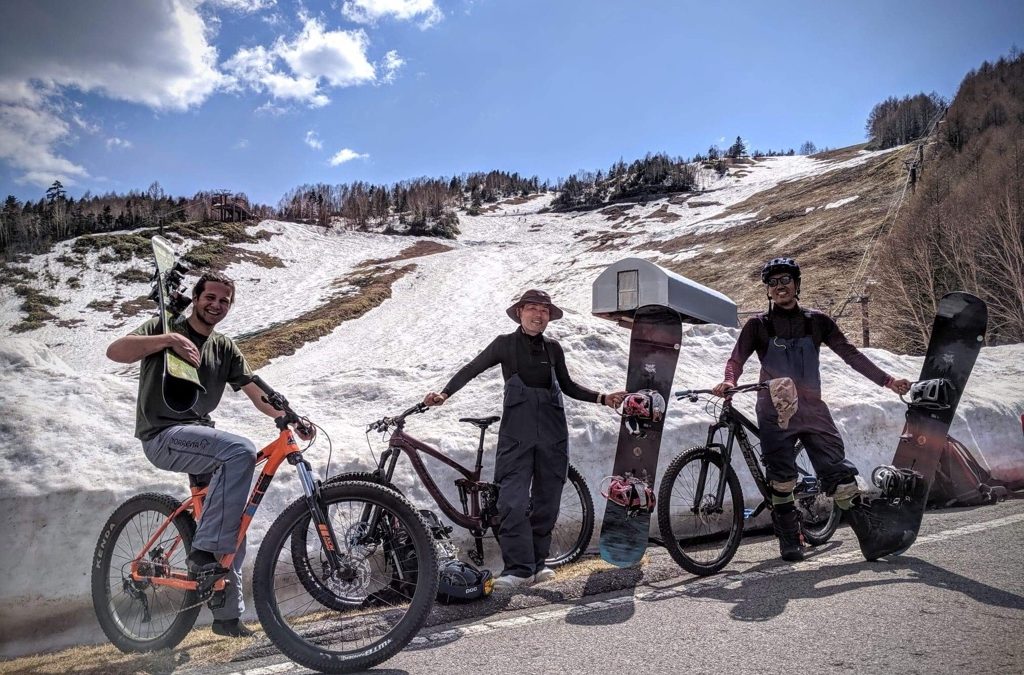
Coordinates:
(242, 144)
(345, 155)
(30, 129)
(295, 69)
(118, 143)
(244, 6)
(391, 64)
(313, 141)
(153, 54)
(269, 108)
(371, 11)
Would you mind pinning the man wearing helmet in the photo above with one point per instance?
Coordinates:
(532, 456)
(787, 339)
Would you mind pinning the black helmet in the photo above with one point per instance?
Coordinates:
(459, 580)
(778, 265)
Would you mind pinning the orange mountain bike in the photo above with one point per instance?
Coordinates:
(343, 580)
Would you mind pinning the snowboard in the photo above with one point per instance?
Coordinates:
(181, 387)
(896, 513)
(653, 353)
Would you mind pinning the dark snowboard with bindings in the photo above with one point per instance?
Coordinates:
(181, 387)
(653, 353)
(888, 524)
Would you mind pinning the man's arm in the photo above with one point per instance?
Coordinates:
(746, 343)
(488, 358)
(565, 381)
(255, 394)
(135, 347)
(837, 342)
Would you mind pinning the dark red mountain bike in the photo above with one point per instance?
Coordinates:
(479, 498)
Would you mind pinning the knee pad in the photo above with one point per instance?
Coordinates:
(847, 491)
(782, 486)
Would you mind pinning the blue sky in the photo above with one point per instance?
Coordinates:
(260, 96)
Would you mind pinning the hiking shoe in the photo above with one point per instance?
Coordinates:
(787, 529)
(877, 526)
(231, 628)
(544, 574)
(507, 581)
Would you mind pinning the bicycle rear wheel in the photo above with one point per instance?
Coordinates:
(575, 524)
(139, 616)
(377, 602)
(700, 535)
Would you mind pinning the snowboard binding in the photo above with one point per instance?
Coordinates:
(176, 300)
(930, 394)
(630, 492)
(642, 410)
(898, 485)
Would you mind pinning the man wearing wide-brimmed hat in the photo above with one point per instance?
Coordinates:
(532, 456)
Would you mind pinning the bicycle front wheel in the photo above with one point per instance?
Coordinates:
(136, 615)
(700, 534)
(369, 609)
(575, 524)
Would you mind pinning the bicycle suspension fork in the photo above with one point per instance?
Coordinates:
(317, 512)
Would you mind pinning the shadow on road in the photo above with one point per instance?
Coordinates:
(764, 591)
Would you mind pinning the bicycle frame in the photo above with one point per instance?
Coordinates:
(471, 516)
(736, 422)
(284, 448)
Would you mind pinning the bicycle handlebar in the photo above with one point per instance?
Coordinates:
(278, 402)
(386, 422)
(693, 393)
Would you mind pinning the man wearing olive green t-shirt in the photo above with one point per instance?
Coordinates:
(187, 441)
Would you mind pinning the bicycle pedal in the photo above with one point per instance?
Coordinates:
(218, 600)
(206, 578)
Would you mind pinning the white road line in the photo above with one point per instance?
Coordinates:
(695, 588)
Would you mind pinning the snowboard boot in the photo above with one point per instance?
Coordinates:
(787, 529)
(877, 524)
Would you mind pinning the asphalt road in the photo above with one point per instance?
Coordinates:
(953, 603)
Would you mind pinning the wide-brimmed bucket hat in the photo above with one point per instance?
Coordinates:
(537, 297)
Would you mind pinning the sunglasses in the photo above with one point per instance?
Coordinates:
(783, 280)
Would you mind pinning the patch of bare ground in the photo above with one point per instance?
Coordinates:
(131, 308)
(604, 241)
(420, 249)
(516, 201)
(372, 287)
(615, 212)
(200, 646)
(699, 204)
(828, 243)
(664, 215)
(840, 154)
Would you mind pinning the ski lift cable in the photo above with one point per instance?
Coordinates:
(860, 276)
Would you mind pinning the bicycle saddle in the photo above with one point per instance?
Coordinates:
(482, 422)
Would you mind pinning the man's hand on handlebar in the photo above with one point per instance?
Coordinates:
(433, 399)
(722, 387)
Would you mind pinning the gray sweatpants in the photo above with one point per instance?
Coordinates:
(231, 459)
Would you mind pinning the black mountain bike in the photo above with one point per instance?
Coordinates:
(700, 504)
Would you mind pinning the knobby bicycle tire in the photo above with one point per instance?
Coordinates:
(302, 635)
(311, 581)
(120, 612)
(701, 542)
(581, 540)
